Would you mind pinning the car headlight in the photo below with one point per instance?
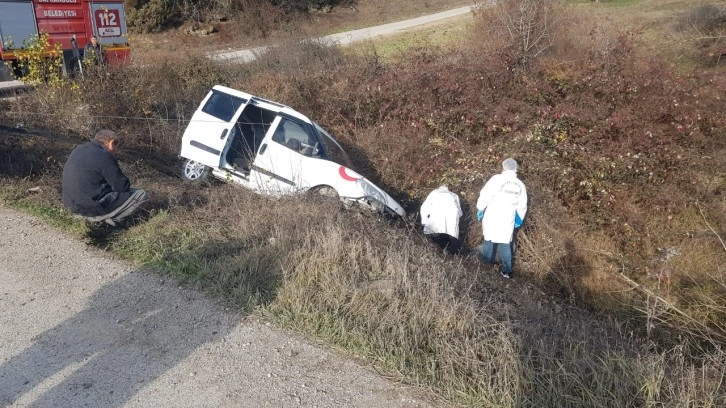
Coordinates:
(370, 191)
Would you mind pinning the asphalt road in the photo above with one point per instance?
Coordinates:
(81, 329)
(348, 37)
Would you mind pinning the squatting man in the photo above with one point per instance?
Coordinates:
(440, 214)
(94, 187)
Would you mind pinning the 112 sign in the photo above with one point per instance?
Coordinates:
(108, 23)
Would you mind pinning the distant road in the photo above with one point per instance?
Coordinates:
(349, 37)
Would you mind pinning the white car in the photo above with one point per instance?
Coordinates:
(271, 149)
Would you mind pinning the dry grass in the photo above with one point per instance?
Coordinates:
(596, 314)
(386, 295)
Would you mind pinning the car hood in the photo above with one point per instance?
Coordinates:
(352, 185)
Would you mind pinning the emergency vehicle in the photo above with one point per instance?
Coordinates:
(69, 23)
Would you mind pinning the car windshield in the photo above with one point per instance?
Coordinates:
(335, 152)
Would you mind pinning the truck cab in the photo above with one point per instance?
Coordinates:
(69, 23)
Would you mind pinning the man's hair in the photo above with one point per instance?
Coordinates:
(509, 164)
(106, 135)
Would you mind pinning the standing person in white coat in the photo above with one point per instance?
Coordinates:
(501, 207)
(440, 214)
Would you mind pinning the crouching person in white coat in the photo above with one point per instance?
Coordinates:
(501, 207)
(440, 214)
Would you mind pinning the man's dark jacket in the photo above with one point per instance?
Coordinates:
(93, 183)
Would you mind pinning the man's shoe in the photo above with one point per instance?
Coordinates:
(505, 275)
(110, 222)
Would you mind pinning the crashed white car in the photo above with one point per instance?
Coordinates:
(271, 149)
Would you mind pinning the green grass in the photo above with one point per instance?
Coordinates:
(611, 3)
(12, 197)
(440, 35)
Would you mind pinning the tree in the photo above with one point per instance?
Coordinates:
(524, 29)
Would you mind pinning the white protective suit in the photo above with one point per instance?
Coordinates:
(440, 212)
(502, 196)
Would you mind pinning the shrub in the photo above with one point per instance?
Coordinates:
(521, 30)
(705, 30)
(253, 16)
(152, 103)
(706, 19)
(257, 19)
(40, 62)
(153, 15)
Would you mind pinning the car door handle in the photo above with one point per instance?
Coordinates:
(262, 149)
(224, 134)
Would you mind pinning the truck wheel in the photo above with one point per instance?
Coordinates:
(6, 72)
(192, 171)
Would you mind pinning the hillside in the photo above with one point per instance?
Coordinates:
(618, 123)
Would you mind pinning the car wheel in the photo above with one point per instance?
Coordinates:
(326, 192)
(192, 171)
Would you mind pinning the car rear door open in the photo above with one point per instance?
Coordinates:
(207, 134)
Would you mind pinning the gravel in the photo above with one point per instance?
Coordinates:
(81, 329)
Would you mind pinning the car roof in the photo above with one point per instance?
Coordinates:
(272, 105)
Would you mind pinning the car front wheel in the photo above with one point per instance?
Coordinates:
(193, 171)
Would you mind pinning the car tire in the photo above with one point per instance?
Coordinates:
(193, 172)
(325, 194)
(325, 191)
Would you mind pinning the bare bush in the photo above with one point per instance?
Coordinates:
(150, 104)
(521, 29)
(257, 19)
(293, 56)
(708, 20)
(705, 29)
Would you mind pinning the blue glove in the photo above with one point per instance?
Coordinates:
(517, 220)
(479, 215)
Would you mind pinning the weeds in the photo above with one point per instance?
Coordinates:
(622, 156)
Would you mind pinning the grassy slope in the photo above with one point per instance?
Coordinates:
(379, 290)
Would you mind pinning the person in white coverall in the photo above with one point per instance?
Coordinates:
(440, 214)
(501, 207)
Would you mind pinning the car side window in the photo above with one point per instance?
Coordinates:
(222, 106)
(296, 137)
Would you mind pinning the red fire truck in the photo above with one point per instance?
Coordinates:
(70, 23)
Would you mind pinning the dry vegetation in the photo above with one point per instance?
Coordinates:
(620, 288)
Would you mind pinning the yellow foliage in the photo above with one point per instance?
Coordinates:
(42, 62)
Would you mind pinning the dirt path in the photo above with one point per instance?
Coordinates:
(79, 329)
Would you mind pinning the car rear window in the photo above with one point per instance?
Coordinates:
(223, 106)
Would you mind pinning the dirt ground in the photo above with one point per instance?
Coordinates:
(81, 329)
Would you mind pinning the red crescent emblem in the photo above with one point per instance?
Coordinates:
(345, 175)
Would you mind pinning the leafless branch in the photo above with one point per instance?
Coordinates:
(710, 227)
